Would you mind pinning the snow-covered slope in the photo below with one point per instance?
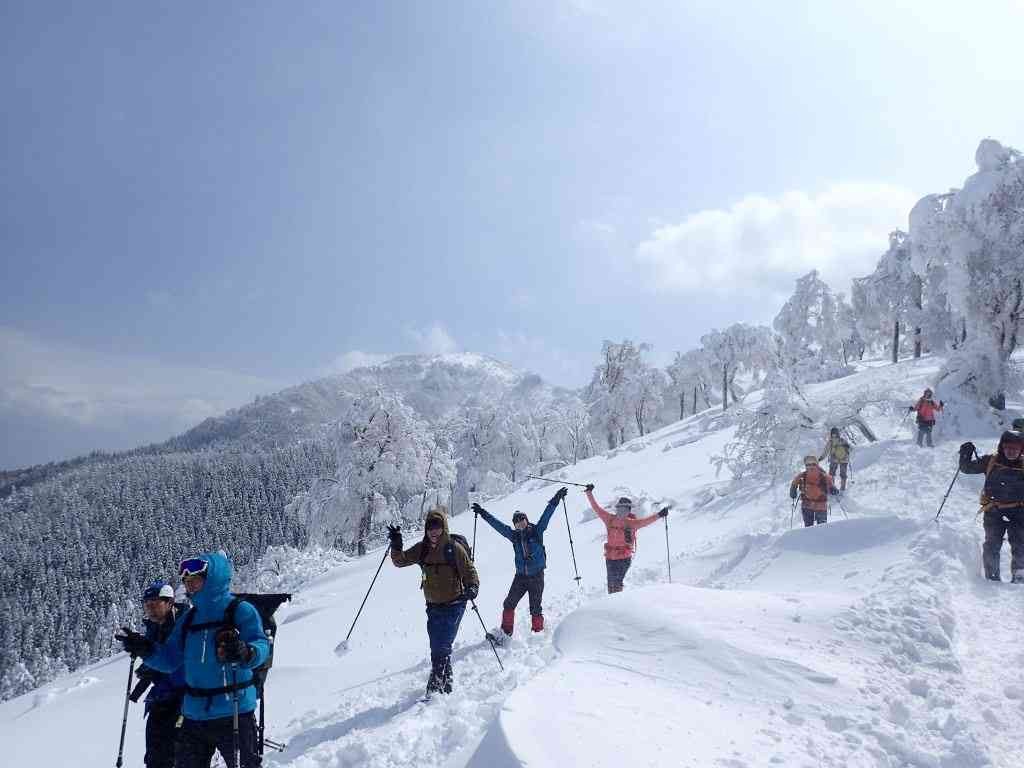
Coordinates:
(871, 641)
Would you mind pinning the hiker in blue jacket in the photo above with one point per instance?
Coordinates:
(531, 560)
(218, 659)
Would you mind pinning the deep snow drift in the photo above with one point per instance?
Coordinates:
(872, 641)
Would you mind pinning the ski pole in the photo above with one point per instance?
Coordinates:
(948, 490)
(572, 549)
(792, 512)
(488, 635)
(668, 556)
(124, 719)
(234, 716)
(342, 647)
(472, 552)
(560, 482)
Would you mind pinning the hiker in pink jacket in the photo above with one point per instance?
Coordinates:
(622, 528)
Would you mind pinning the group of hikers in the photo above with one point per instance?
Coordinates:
(202, 661)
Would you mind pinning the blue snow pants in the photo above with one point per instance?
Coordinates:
(443, 621)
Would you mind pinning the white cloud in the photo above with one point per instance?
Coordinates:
(351, 360)
(434, 340)
(760, 244)
(71, 384)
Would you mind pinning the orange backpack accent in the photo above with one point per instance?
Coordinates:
(814, 489)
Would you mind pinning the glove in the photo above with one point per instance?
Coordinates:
(967, 451)
(395, 536)
(477, 509)
(911, 409)
(663, 513)
(469, 592)
(135, 643)
(559, 495)
(146, 673)
(589, 488)
(941, 404)
(792, 493)
(834, 491)
(231, 648)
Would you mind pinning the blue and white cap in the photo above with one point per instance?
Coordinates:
(158, 589)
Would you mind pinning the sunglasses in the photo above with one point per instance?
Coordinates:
(194, 566)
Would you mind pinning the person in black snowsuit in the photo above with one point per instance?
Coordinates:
(531, 560)
(163, 704)
(1002, 501)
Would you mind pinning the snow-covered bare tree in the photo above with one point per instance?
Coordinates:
(689, 376)
(610, 391)
(574, 421)
(976, 235)
(811, 330)
(739, 348)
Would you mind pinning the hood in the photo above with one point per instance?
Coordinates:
(218, 580)
(438, 513)
(1016, 437)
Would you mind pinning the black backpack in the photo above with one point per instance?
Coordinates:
(265, 605)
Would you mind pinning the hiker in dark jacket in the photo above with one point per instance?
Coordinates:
(531, 560)
(163, 704)
(1002, 500)
(218, 661)
(449, 581)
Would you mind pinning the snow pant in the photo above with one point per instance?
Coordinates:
(997, 524)
(443, 621)
(617, 573)
(843, 467)
(812, 516)
(199, 739)
(161, 733)
(522, 585)
(924, 432)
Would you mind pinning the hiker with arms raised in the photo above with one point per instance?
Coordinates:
(621, 529)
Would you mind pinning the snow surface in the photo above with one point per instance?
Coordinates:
(872, 641)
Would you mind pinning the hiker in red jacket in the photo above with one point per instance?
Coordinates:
(813, 487)
(926, 409)
(622, 528)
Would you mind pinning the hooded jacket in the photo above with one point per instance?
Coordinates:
(528, 544)
(619, 546)
(442, 582)
(926, 409)
(1004, 479)
(837, 450)
(166, 688)
(814, 485)
(198, 652)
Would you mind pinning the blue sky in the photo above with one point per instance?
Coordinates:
(204, 202)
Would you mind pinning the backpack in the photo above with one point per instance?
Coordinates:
(265, 606)
(629, 533)
(821, 486)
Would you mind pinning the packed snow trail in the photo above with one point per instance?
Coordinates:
(867, 642)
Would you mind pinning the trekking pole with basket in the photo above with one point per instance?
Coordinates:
(342, 648)
(124, 719)
(572, 549)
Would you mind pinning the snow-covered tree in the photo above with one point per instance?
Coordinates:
(976, 236)
(739, 348)
(812, 332)
(574, 422)
(611, 391)
(689, 376)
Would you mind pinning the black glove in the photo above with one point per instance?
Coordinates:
(663, 513)
(469, 592)
(834, 491)
(559, 495)
(911, 409)
(395, 536)
(792, 493)
(146, 673)
(941, 404)
(231, 648)
(589, 488)
(967, 451)
(135, 643)
(477, 509)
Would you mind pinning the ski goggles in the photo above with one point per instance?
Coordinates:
(194, 566)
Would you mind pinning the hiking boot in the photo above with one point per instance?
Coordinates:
(993, 576)
(508, 621)
(446, 675)
(537, 622)
(1018, 577)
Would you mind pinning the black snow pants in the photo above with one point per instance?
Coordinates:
(997, 524)
(522, 585)
(199, 739)
(617, 570)
(812, 516)
(161, 733)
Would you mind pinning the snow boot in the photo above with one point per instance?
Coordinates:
(435, 683)
(1018, 577)
(446, 675)
(537, 622)
(508, 621)
(993, 576)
